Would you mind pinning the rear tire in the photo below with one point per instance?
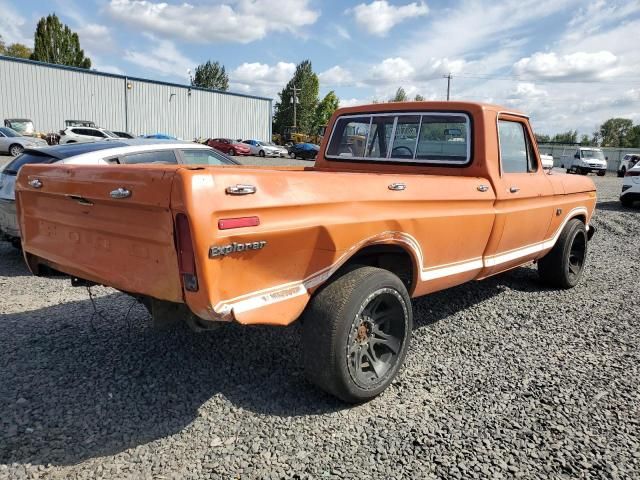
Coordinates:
(261, 153)
(562, 267)
(232, 152)
(292, 155)
(602, 174)
(16, 149)
(621, 172)
(356, 333)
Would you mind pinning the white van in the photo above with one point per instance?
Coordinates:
(586, 160)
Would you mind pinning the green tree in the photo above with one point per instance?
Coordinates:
(325, 109)
(17, 50)
(54, 42)
(542, 138)
(615, 132)
(306, 82)
(211, 75)
(586, 140)
(419, 98)
(400, 96)
(570, 136)
(633, 138)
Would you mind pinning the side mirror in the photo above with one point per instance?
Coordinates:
(576, 156)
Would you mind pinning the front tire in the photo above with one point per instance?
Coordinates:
(292, 155)
(261, 153)
(562, 267)
(621, 172)
(16, 149)
(602, 174)
(356, 333)
(626, 201)
(232, 152)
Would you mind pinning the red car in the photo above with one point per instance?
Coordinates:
(230, 147)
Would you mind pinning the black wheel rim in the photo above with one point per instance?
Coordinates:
(577, 255)
(376, 338)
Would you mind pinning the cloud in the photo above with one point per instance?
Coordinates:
(261, 78)
(12, 26)
(580, 65)
(352, 102)
(96, 38)
(379, 17)
(392, 70)
(528, 90)
(335, 77)
(240, 21)
(164, 58)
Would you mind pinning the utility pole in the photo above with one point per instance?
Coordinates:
(294, 99)
(448, 77)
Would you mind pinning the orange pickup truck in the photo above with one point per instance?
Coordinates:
(404, 199)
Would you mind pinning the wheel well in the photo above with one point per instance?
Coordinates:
(393, 258)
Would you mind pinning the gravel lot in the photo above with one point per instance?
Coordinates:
(504, 379)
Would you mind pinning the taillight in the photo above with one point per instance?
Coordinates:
(632, 173)
(186, 257)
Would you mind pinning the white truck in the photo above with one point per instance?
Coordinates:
(586, 160)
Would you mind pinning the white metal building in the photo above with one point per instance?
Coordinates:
(50, 94)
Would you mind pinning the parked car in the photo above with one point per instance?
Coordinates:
(13, 143)
(160, 136)
(23, 126)
(585, 160)
(547, 161)
(263, 149)
(98, 153)
(305, 151)
(228, 146)
(84, 134)
(629, 161)
(631, 186)
(122, 134)
(344, 245)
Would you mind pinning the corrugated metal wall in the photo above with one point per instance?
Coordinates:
(562, 154)
(49, 95)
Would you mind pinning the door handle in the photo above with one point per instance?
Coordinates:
(396, 187)
(483, 188)
(240, 189)
(35, 183)
(514, 189)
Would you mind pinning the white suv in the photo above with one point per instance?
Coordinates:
(85, 134)
(627, 163)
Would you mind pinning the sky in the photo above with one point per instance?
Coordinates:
(570, 64)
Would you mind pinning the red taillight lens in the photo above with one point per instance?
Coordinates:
(632, 173)
(186, 257)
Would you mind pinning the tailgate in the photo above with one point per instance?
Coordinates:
(75, 220)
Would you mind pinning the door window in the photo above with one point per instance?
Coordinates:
(204, 157)
(516, 151)
(162, 156)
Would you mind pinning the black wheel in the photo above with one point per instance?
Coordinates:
(626, 201)
(292, 155)
(356, 333)
(602, 174)
(16, 149)
(232, 152)
(563, 266)
(621, 172)
(261, 153)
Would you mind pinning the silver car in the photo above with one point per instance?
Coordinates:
(13, 143)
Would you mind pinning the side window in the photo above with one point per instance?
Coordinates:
(162, 156)
(78, 131)
(96, 133)
(516, 152)
(203, 157)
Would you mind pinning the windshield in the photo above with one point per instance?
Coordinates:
(110, 134)
(9, 132)
(593, 154)
(22, 126)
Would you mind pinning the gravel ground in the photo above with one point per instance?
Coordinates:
(504, 379)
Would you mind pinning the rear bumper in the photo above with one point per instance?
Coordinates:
(8, 219)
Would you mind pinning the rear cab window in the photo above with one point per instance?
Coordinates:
(437, 138)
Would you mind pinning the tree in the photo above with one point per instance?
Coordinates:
(541, 138)
(56, 43)
(615, 131)
(633, 138)
(17, 50)
(570, 136)
(586, 140)
(400, 96)
(325, 109)
(211, 75)
(419, 98)
(306, 82)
